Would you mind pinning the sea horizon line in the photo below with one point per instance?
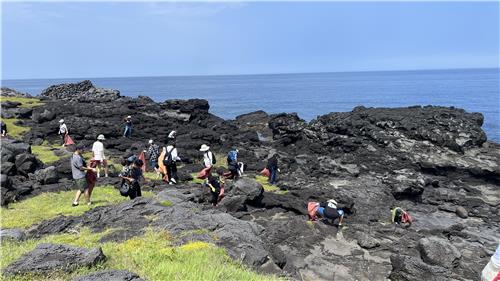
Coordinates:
(255, 74)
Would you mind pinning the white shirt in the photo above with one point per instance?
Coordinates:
(207, 159)
(63, 129)
(175, 157)
(98, 150)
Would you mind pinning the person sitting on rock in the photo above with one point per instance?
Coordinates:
(128, 127)
(98, 152)
(153, 154)
(232, 164)
(329, 211)
(78, 169)
(3, 127)
(63, 131)
(208, 161)
(272, 166)
(216, 185)
(400, 216)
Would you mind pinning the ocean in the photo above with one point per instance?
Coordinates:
(313, 94)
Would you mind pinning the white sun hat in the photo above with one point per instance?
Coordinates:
(128, 117)
(150, 141)
(61, 121)
(100, 137)
(204, 147)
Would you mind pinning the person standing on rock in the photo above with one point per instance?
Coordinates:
(208, 161)
(272, 166)
(232, 163)
(78, 169)
(153, 154)
(216, 185)
(98, 151)
(128, 127)
(171, 162)
(63, 131)
(3, 126)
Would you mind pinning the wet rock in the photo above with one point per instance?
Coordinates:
(15, 234)
(47, 175)
(48, 257)
(437, 251)
(462, 212)
(110, 275)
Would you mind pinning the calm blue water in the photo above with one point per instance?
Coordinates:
(476, 90)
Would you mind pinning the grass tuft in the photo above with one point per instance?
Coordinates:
(14, 130)
(25, 102)
(49, 205)
(267, 187)
(45, 152)
(167, 203)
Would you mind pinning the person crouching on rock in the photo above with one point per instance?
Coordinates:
(131, 175)
(78, 168)
(128, 127)
(208, 161)
(216, 185)
(328, 210)
(63, 131)
(272, 166)
(100, 159)
(400, 216)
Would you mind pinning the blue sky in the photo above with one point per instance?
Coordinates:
(58, 39)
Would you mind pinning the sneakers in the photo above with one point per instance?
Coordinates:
(89, 203)
(173, 180)
(74, 204)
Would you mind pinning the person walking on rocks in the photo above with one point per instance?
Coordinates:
(171, 162)
(208, 161)
(216, 185)
(63, 131)
(78, 169)
(128, 127)
(232, 164)
(98, 151)
(272, 166)
(3, 127)
(131, 175)
(153, 154)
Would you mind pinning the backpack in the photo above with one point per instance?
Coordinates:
(168, 160)
(231, 157)
(124, 188)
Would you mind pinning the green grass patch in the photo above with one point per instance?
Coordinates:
(151, 176)
(196, 179)
(267, 187)
(14, 130)
(50, 205)
(152, 256)
(167, 203)
(25, 102)
(45, 152)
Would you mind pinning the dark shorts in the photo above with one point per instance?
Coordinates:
(81, 184)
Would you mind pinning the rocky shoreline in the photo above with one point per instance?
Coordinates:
(434, 161)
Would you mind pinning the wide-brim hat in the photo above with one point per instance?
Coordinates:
(101, 137)
(61, 121)
(204, 147)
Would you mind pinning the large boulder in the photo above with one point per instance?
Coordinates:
(406, 268)
(7, 92)
(8, 168)
(287, 128)
(44, 116)
(49, 257)
(110, 275)
(437, 251)
(15, 147)
(26, 163)
(47, 175)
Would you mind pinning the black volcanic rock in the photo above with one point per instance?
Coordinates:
(110, 275)
(49, 257)
(83, 92)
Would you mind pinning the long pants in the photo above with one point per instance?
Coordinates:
(127, 132)
(272, 176)
(135, 191)
(172, 171)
